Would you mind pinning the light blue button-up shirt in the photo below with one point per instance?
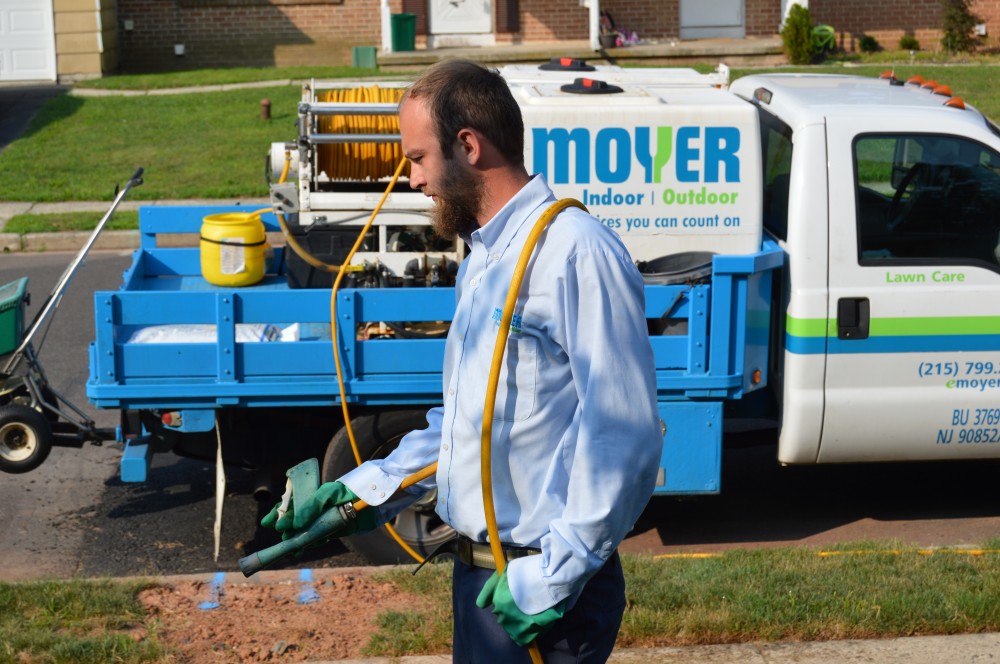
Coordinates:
(576, 434)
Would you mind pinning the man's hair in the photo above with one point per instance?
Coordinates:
(461, 94)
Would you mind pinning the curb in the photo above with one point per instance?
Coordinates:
(103, 92)
(906, 650)
(77, 91)
(74, 241)
(9, 243)
(108, 240)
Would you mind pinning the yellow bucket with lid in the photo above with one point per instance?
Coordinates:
(232, 246)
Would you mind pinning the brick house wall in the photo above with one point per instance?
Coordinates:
(286, 32)
(246, 33)
(296, 32)
(888, 20)
(551, 20)
(763, 17)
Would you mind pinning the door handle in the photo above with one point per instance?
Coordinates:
(853, 318)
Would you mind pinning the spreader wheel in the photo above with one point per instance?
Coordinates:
(25, 438)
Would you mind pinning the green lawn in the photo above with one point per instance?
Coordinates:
(214, 144)
(70, 221)
(75, 622)
(869, 590)
(209, 145)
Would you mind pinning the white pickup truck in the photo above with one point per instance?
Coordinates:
(885, 196)
(820, 253)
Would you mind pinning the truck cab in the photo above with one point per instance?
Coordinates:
(884, 195)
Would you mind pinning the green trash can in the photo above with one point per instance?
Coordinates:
(404, 32)
(363, 57)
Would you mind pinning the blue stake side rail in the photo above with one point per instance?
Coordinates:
(726, 340)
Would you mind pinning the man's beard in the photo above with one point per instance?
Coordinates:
(459, 199)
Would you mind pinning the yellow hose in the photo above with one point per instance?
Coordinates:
(336, 351)
(350, 161)
(359, 161)
(289, 238)
(499, 348)
(341, 270)
(369, 163)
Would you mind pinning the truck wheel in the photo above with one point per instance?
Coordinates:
(25, 438)
(419, 526)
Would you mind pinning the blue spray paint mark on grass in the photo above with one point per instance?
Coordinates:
(307, 594)
(214, 592)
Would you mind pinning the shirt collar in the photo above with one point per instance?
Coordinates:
(501, 229)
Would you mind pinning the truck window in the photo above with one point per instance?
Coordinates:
(927, 198)
(776, 151)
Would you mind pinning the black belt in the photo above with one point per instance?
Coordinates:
(477, 554)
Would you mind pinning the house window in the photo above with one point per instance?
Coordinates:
(925, 199)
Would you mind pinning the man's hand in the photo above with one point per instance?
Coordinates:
(521, 627)
(303, 511)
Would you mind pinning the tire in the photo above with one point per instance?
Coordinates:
(419, 526)
(25, 438)
(48, 396)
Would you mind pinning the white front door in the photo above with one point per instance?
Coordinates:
(27, 41)
(703, 19)
(460, 23)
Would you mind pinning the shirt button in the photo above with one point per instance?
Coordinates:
(373, 487)
(472, 282)
(451, 392)
(445, 447)
(495, 257)
(381, 494)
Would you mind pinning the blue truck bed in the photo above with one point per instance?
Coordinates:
(726, 341)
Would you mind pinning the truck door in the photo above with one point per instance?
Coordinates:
(913, 337)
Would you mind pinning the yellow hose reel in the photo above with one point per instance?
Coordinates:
(359, 161)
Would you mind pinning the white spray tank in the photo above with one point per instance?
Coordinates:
(672, 167)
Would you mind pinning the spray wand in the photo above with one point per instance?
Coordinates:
(322, 529)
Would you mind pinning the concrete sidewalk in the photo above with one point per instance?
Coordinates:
(959, 649)
(74, 240)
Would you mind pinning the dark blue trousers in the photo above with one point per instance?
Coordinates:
(586, 633)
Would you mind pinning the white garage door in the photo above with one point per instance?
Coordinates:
(703, 19)
(27, 41)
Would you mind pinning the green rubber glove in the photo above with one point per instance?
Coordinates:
(302, 513)
(521, 627)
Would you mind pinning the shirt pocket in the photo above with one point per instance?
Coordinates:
(516, 389)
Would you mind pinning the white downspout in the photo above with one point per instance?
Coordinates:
(786, 6)
(386, 26)
(594, 22)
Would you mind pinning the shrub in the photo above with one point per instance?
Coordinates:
(909, 43)
(824, 39)
(958, 23)
(868, 44)
(796, 36)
